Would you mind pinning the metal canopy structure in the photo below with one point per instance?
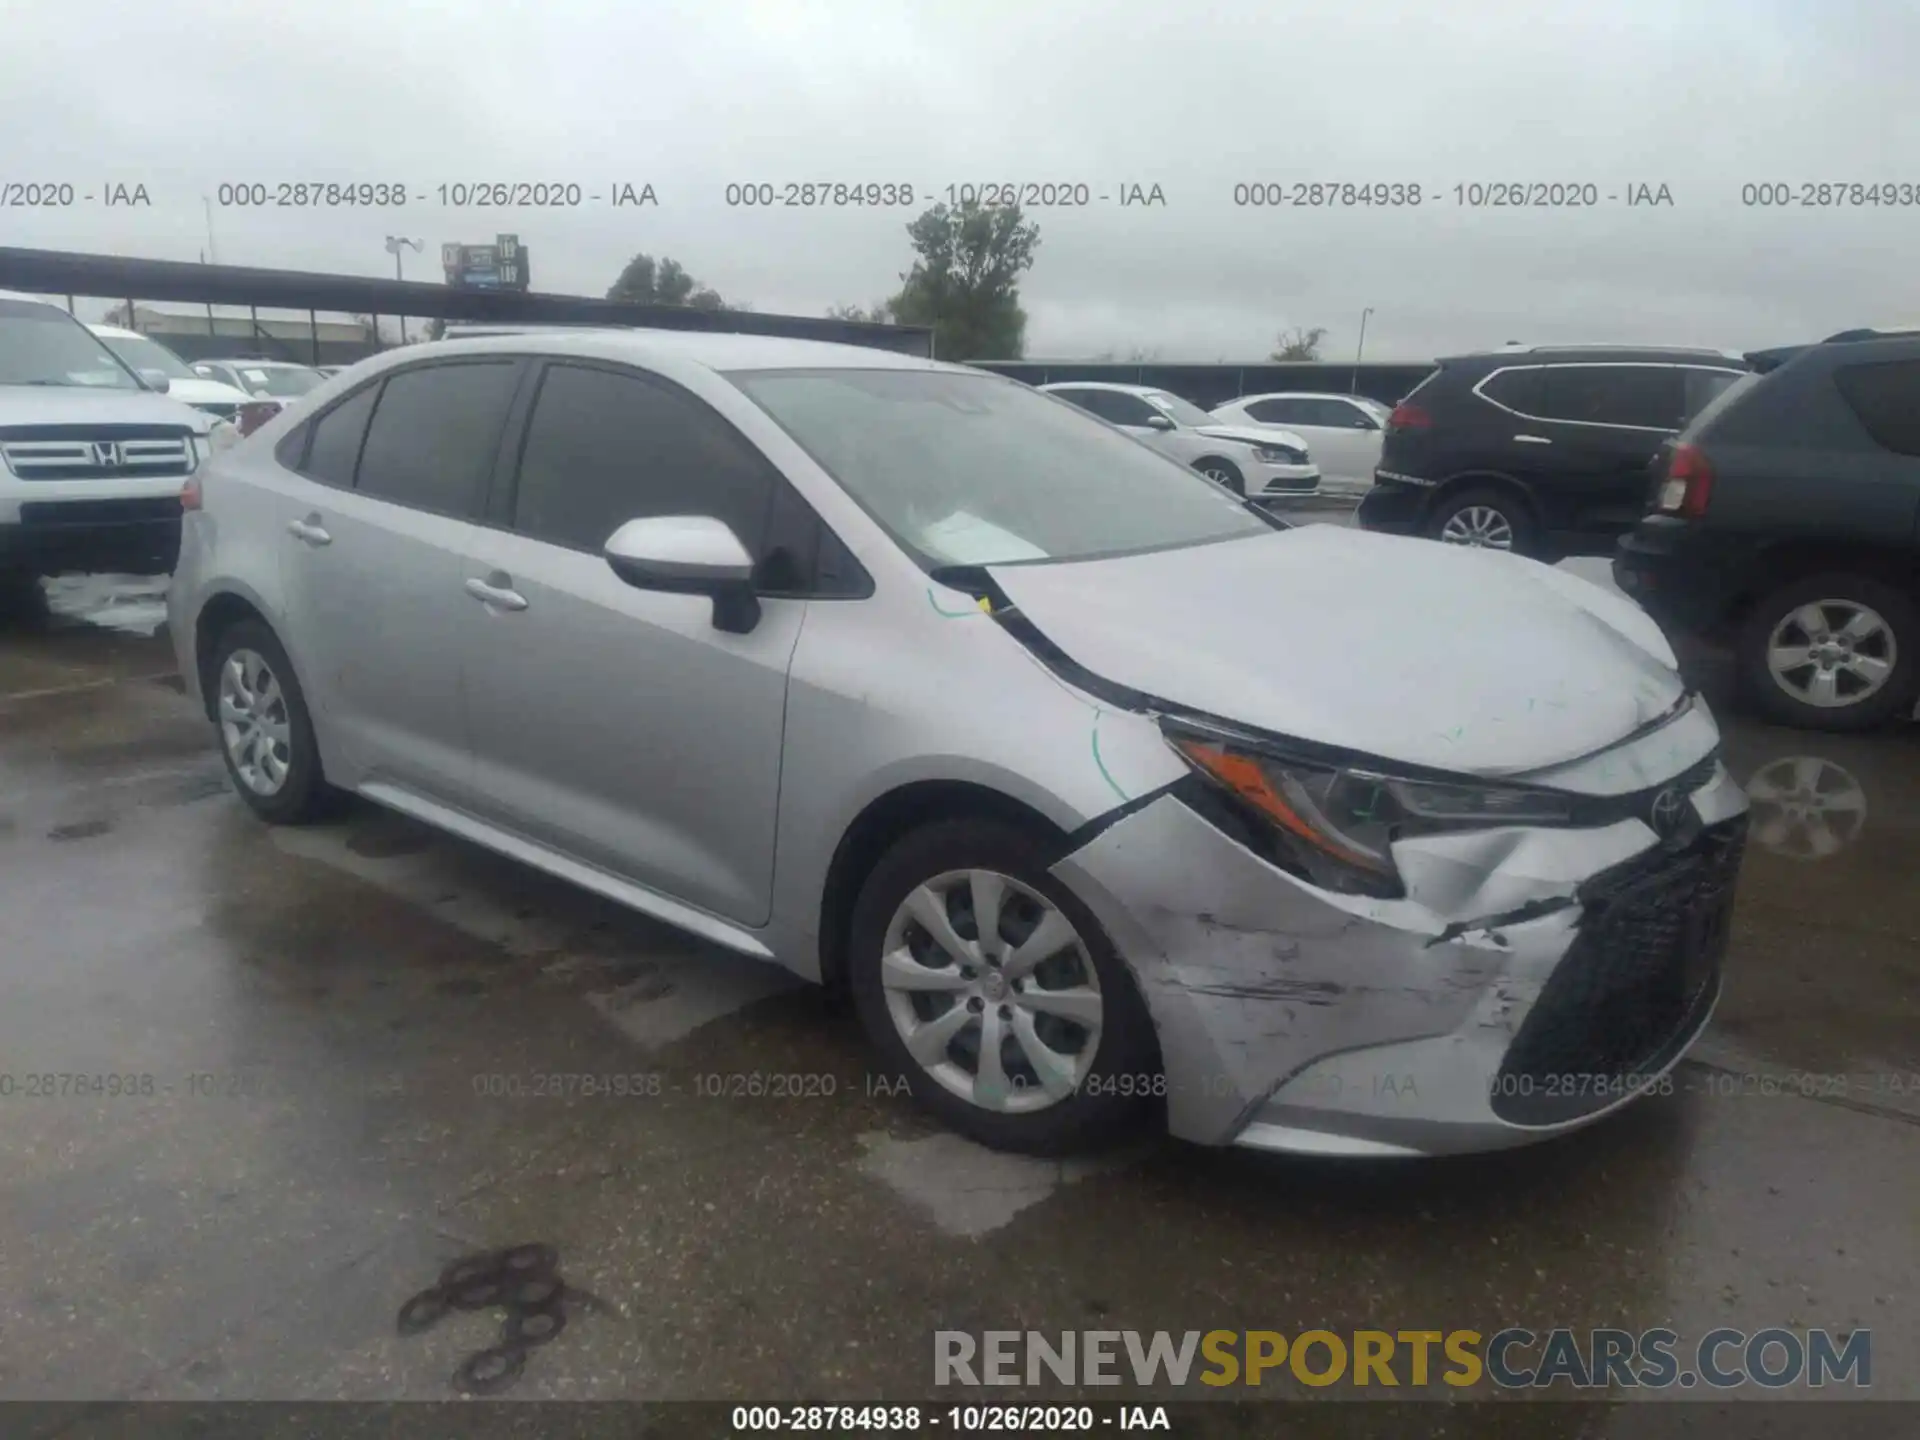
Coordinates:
(59, 272)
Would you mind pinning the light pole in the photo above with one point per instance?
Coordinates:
(395, 244)
(1359, 350)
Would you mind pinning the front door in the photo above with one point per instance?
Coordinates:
(614, 724)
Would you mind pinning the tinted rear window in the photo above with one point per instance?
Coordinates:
(1648, 397)
(1886, 397)
(433, 436)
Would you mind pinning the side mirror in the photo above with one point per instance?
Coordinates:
(689, 555)
(1159, 422)
(155, 380)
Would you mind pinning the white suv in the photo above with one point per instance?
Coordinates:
(92, 461)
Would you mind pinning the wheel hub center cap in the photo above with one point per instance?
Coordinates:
(993, 985)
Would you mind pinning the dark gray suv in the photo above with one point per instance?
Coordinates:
(1785, 521)
(1541, 451)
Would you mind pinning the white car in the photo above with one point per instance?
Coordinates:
(1344, 432)
(166, 372)
(1247, 459)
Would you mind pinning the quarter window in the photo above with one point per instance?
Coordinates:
(1886, 398)
(334, 449)
(1520, 390)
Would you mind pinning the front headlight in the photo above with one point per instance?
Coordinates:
(1279, 455)
(1335, 825)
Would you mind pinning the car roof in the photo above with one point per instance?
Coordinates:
(24, 298)
(1106, 385)
(1308, 395)
(1598, 355)
(715, 350)
(251, 362)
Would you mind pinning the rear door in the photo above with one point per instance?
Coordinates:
(613, 724)
(379, 527)
(1606, 421)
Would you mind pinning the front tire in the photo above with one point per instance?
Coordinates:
(994, 991)
(1484, 518)
(1831, 652)
(264, 729)
(1223, 472)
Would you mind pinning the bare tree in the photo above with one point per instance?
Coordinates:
(1299, 344)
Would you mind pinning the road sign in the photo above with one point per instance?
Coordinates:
(499, 266)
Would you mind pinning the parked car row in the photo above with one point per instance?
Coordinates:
(1767, 502)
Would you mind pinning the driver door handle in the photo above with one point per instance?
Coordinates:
(497, 597)
(309, 531)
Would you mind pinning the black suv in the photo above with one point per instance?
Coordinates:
(1542, 451)
(1786, 521)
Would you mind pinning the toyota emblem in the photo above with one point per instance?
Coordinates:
(1666, 811)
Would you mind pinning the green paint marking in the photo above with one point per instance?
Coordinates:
(949, 614)
(1105, 774)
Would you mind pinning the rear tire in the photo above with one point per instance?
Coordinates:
(955, 996)
(1488, 518)
(263, 728)
(1831, 652)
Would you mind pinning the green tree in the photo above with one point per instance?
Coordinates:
(965, 283)
(1299, 344)
(667, 283)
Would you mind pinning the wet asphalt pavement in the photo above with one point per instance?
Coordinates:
(320, 1056)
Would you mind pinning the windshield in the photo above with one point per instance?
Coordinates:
(144, 354)
(277, 379)
(976, 470)
(1182, 412)
(43, 345)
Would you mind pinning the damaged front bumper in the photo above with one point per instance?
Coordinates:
(1531, 980)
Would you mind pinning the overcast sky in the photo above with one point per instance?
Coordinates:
(1702, 96)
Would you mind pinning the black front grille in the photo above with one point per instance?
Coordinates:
(100, 512)
(1635, 984)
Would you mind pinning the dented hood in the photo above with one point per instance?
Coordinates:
(1468, 660)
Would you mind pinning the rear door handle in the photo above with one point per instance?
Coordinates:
(498, 597)
(309, 531)
(1533, 439)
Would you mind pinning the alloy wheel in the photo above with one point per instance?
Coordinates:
(1806, 807)
(1480, 526)
(254, 724)
(992, 990)
(1832, 653)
